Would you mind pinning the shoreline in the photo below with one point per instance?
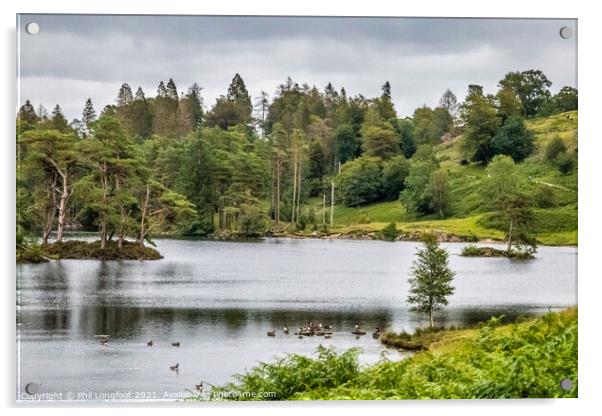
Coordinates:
(366, 236)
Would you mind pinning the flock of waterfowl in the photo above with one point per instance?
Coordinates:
(104, 340)
(309, 330)
(317, 329)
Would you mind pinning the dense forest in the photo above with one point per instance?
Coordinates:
(247, 166)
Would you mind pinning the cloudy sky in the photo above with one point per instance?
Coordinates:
(74, 57)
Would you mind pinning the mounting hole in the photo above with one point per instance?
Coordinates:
(32, 28)
(566, 32)
(566, 384)
(32, 388)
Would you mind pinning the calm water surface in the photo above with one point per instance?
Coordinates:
(218, 299)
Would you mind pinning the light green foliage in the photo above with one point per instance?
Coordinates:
(360, 181)
(415, 196)
(517, 360)
(437, 192)
(481, 119)
(380, 142)
(431, 278)
(295, 374)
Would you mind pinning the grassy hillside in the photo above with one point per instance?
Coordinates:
(519, 360)
(554, 225)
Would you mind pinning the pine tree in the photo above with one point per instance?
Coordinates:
(171, 90)
(139, 95)
(161, 90)
(55, 154)
(141, 116)
(27, 113)
(261, 110)
(195, 105)
(386, 88)
(124, 97)
(431, 278)
(166, 120)
(89, 115)
(58, 120)
(237, 92)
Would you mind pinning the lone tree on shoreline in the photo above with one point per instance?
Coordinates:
(431, 277)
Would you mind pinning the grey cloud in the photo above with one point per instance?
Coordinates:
(75, 57)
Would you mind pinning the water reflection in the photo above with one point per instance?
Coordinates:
(218, 300)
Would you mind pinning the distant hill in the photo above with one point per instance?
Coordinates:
(555, 192)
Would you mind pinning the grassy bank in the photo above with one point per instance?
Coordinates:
(555, 213)
(525, 359)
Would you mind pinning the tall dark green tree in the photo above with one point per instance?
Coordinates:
(347, 143)
(141, 117)
(233, 108)
(27, 113)
(195, 105)
(481, 122)
(165, 110)
(58, 120)
(405, 131)
(237, 91)
(395, 171)
(26, 118)
(89, 114)
(124, 96)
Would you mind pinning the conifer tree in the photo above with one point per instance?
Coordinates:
(195, 105)
(89, 114)
(58, 120)
(172, 90)
(27, 113)
(124, 97)
(431, 278)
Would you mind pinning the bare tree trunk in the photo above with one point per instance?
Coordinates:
(294, 189)
(299, 192)
(278, 193)
(50, 212)
(273, 194)
(510, 234)
(123, 220)
(62, 215)
(47, 230)
(104, 218)
(323, 208)
(331, 203)
(431, 316)
(143, 217)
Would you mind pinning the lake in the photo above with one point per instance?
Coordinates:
(218, 299)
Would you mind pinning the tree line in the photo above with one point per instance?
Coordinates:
(168, 164)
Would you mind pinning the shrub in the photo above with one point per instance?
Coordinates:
(389, 232)
(545, 197)
(565, 162)
(517, 360)
(555, 147)
(295, 374)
